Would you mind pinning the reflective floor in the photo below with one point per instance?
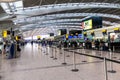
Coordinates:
(34, 64)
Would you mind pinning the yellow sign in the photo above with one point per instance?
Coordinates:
(16, 38)
(38, 37)
(92, 31)
(4, 33)
(85, 33)
(104, 30)
(116, 29)
(66, 35)
(76, 33)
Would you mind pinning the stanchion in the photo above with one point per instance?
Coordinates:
(114, 52)
(74, 63)
(46, 50)
(60, 50)
(41, 48)
(67, 54)
(55, 58)
(52, 53)
(64, 61)
(83, 55)
(38, 46)
(101, 53)
(111, 64)
(105, 69)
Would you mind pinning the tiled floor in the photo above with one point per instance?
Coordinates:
(34, 64)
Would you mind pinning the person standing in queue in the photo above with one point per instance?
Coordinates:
(87, 43)
(65, 44)
(97, 43)
(102, 45)
(44, 43)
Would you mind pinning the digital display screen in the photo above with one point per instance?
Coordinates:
(70, 37)
(92, 23)
(97, 22)
(59, 32)
(74, 36)
(62, 31)
(51, 34)
(87, 24)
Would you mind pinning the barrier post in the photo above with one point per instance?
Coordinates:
(46, 50)
(114, 52)
(74, 63)
(52, 53)
(41, 48)
(55, 58)
(64, 60)
(83, 55)
(60, 50)
(101, 53)
(111, 64)
(68, 55)
(105, 69)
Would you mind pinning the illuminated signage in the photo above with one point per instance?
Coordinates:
(4, 33)
(87, 24)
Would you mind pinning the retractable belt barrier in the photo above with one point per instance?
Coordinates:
(82, 52)
(99, 57)
(52, 53)
(55, 53)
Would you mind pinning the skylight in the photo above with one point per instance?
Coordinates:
(12, 6)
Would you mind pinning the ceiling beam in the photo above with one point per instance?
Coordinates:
(66, 15)
(44, 9)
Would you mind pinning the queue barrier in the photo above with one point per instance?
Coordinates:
(64, 60)
(74, 63)
(105, 62)
(52, 53)
(98, 57)
(55, 51)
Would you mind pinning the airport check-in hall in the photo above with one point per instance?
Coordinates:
(59, 39)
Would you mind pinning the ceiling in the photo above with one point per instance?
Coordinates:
(37, 17)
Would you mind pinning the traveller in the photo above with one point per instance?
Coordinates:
(97, 43)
